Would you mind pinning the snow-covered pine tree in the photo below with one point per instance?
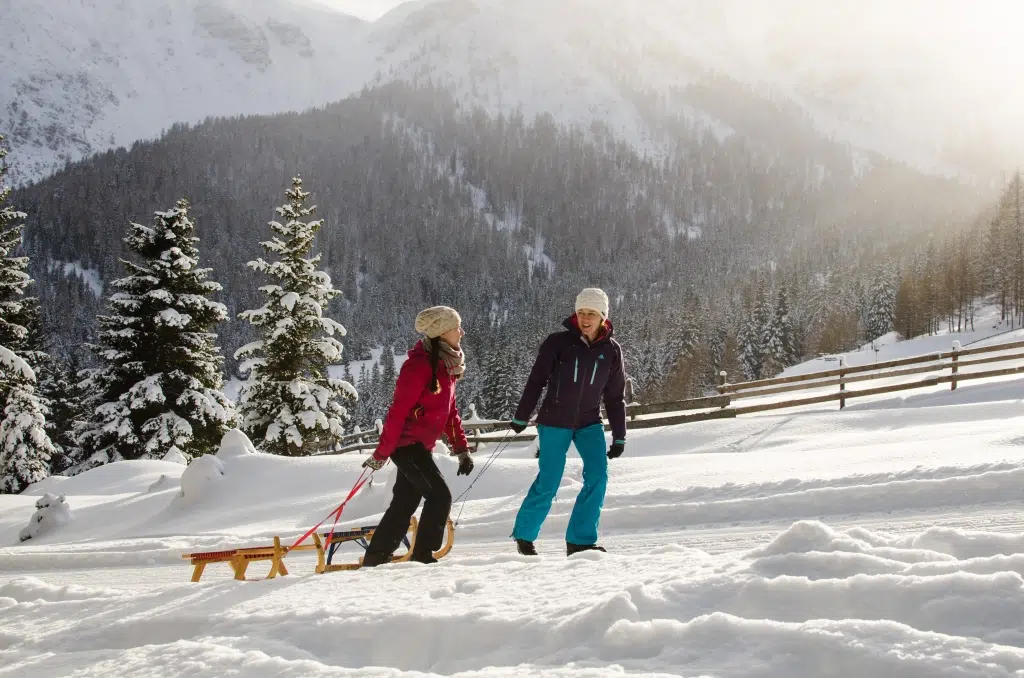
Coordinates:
(501, 385)
(378, 394)
(750, 345)
(159, 386)
(388, 376)
(774, 356)
(59, 386)
(362, 410)
(25, 448)
(289, 403)
(881, 303)
(785, 325)
(20, 323)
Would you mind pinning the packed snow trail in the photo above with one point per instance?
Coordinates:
(812, 602)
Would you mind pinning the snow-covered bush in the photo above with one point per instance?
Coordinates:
(51, 513)
(201, 478)
(235, 444)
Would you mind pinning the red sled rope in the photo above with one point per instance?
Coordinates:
(336, 513)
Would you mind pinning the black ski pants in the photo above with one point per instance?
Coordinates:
(418, 478)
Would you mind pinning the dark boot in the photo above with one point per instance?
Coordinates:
(525, 548)
(571, 548)
(375, 559)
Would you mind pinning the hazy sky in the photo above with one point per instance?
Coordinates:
(364, 9)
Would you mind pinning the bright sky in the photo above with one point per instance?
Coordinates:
(364, 9)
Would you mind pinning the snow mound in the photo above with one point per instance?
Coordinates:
(122, 477)
(235, 444)
(202, 478)
(51, 513)
(164, 483)
(174, 456)
(31, 589)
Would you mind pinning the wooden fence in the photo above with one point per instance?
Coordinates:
(722, 406)
(841, 377)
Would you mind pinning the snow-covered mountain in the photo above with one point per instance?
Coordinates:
(82, 76)
(920, 82)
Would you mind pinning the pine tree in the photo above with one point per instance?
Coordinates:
(290, 404)
(751, 337)
(388, 375)
(20, 327)
(785, 325)
(25, 448)
(774, 351)
(159, 387)
(379, 394)
(59, 386)
(363, 408)
(882, 304)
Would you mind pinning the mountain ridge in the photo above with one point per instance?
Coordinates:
(80, 89)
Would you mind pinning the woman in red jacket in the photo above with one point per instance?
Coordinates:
(422, 409)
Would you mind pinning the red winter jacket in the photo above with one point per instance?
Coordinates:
(417, 415)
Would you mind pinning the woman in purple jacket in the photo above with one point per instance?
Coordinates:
(580, 367)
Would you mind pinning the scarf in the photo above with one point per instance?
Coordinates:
(454, 359)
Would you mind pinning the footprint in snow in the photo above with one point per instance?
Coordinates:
(459, 586)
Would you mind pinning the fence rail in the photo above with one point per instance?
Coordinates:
(720, 406)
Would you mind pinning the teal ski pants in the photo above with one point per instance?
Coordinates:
(554, 446)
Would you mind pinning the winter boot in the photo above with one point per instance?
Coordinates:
(525, 548)
(571, 548)
(374, 559)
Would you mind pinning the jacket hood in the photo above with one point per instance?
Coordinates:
(418, 350)
(573, 325)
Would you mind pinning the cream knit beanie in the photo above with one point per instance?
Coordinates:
(437, 320)
(593, 298)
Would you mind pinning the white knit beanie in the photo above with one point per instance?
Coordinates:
(593, 298)
(437, 320)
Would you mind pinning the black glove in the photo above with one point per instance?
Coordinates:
(616, 450)
(517, 426)
(465, 463)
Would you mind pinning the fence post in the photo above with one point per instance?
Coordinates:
(842, 380)
(953, 358)
(723, 378)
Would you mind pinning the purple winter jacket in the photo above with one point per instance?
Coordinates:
(577, 376)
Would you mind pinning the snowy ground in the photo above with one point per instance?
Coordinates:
(884, 540)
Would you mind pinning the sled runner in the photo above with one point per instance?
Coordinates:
(239, 559)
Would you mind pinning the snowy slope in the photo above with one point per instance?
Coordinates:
(881, 540)
(81, 76)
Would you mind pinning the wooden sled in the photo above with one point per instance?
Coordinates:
(239, 559)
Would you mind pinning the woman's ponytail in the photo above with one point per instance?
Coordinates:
(435, 357)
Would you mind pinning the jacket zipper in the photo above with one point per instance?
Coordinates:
(579, 398)
(593, 374)
(576, 371)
